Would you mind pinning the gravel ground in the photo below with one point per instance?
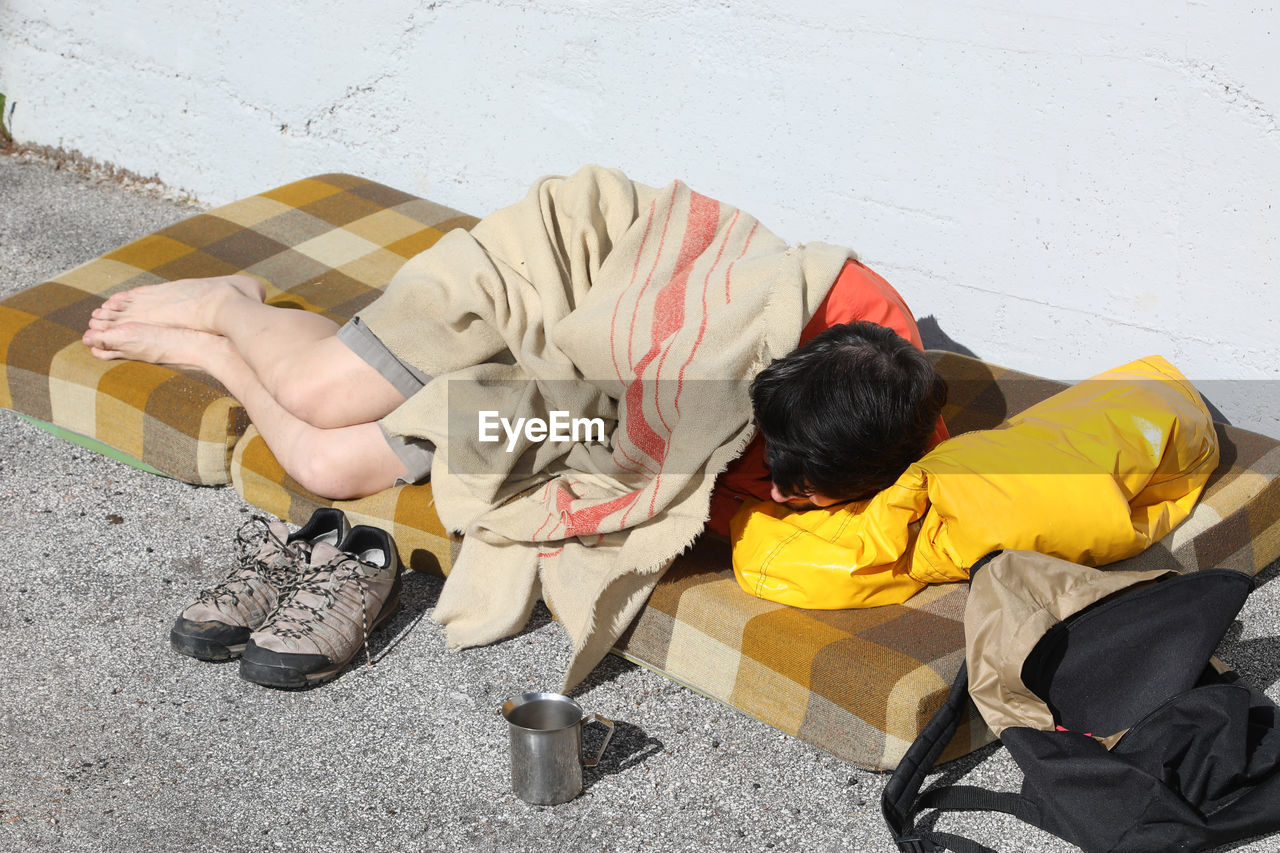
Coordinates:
(110, 741)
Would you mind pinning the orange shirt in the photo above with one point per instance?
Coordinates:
(857, 294)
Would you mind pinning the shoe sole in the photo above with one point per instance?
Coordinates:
(278, 673)
(192, 639)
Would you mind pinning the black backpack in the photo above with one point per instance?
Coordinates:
(1102, 686)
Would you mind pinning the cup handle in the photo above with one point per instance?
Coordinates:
(604, 721)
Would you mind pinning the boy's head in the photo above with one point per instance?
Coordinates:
(844, 415)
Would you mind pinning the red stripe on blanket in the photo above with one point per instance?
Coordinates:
(657, 257)
(626, 372)
(702, 322)
(668, 318)
(704, 217)
(587, 520)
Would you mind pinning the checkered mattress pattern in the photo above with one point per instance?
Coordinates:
(326, 244)
(857, 683)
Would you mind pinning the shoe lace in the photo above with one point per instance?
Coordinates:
(276, 568)
(295, 617)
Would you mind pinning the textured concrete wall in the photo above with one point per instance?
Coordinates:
(1060, 191)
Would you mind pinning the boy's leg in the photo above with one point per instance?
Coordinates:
(345, 462)
(294, 354)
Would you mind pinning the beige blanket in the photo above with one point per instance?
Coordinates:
(608, 303)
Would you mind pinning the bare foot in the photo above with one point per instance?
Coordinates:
(156, 345)
(187, 303)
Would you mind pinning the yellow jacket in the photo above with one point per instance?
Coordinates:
(1093, 475)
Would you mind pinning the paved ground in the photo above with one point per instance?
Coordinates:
(110, 741)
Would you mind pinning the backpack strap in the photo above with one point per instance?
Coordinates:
(901, 800)
(970, 798)
(898, 803)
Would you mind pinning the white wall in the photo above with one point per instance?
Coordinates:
(1061, 190)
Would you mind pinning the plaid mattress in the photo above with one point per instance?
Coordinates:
(326, 244)
(857, 683)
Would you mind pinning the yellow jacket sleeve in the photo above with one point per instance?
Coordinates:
(832, 558)
(1093, 475)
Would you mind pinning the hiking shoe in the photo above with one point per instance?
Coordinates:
(341, 597)
(217, 625)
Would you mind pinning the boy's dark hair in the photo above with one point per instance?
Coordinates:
(848, 412)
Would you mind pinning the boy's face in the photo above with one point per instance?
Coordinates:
(813, 500)
(810, 500)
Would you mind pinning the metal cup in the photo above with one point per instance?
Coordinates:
(546, 747)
